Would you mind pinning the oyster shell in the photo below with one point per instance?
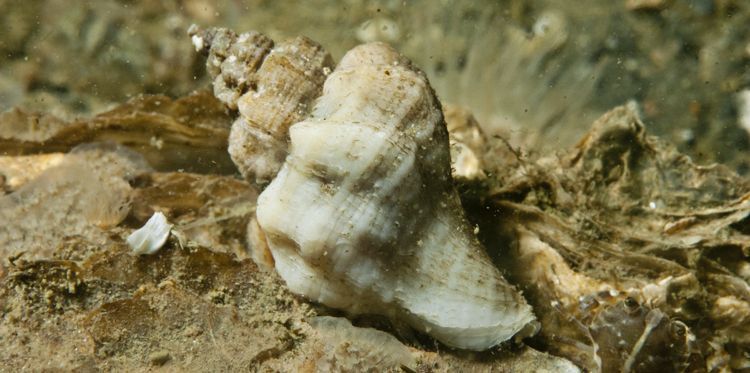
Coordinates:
(363, 215)
(624, 215)
(188, 134)
(272, 87)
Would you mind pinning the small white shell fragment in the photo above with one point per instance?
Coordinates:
(152, 236)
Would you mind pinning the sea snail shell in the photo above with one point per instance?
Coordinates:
(363, 215)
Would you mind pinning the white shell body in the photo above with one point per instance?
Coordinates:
(363, 215)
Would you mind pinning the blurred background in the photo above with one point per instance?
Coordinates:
(537, 72)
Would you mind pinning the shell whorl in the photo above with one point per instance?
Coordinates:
(271, 85)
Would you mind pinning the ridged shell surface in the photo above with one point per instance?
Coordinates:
(363, 215)
(272, 86)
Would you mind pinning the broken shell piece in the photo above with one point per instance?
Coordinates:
(363, 215)
(152, 236)
(272, 86)
(468, 143)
